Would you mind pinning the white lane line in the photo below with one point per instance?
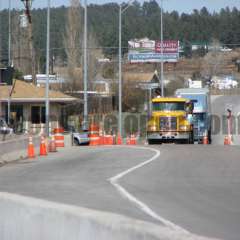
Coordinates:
(144, 207)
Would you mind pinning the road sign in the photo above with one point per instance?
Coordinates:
(148, 85)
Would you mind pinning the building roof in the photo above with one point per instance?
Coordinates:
(141, 77)
(27, 92)
(192, 91)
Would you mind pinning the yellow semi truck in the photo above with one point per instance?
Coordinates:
(170, 121)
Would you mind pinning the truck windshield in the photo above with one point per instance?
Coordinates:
(168, 106)
(200, 101)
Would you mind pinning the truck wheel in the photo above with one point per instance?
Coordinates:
(209, 137)
(191, 138)
(151, 142)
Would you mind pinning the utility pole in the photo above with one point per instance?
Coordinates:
(85, 113)
(120, 74)
(121, 11)
(9, 33)
(47, 72)
(162, 59)
(9, 59)
(28, 5)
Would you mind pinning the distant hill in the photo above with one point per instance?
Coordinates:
(140, 20)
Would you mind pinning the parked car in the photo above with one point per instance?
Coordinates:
(4, 128)
(80, 138)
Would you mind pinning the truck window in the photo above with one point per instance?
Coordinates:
(168, 106)
(199, 100)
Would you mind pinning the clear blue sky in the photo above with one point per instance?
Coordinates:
(169, 5)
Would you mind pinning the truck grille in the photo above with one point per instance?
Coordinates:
(168, 123)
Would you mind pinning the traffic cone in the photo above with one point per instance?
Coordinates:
(133, 140)
(119, 139)
(31, 152)
(43, 149)
(205, 139)
(227, 140)
(52, 145)
(128, 140)
(101, 137)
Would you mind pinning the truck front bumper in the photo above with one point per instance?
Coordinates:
(168, 136)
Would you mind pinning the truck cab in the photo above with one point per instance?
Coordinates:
(201, 112)
(170, 121)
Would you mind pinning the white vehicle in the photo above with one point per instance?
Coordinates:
(225, 49)
(80, 138)
(103, 60)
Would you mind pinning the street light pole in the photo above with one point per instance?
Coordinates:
(85, 114)
(120, 74)
(121, 11)
(162, 60)
(47, 72)
(9, 58)
(9, 33)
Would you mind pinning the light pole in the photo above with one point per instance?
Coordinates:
(9, 33)
(9, 58)
(47, 72)
(85, 82)
(162, 59)
(121, 11)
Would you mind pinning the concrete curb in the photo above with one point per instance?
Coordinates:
(13, 156)
(16, 149)
(25, 218)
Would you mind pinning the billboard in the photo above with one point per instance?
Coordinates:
(145, 50)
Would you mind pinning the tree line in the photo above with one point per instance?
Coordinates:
(140, 20)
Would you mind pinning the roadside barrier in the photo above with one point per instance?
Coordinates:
(101, 139)
(59, 137)
(43, 149)
(94, 135)
(108, 140)
(132, 140)
(31, 152)
(25, 218)
(52, 145)
(58, 130)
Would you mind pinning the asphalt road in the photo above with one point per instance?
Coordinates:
(196, 187)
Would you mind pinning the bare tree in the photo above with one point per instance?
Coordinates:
(20, 47)
(73, 43)
(213, 61)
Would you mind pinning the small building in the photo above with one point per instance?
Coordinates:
(27, 106)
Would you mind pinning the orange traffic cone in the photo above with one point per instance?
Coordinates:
(133, 140)
(119, 139)
(31, 152)
(128, 140)
(52, 145)
(227, 140)
(205, 139)
(43, 149)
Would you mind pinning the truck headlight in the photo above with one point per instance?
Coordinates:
(183, 127)
(152, 128)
